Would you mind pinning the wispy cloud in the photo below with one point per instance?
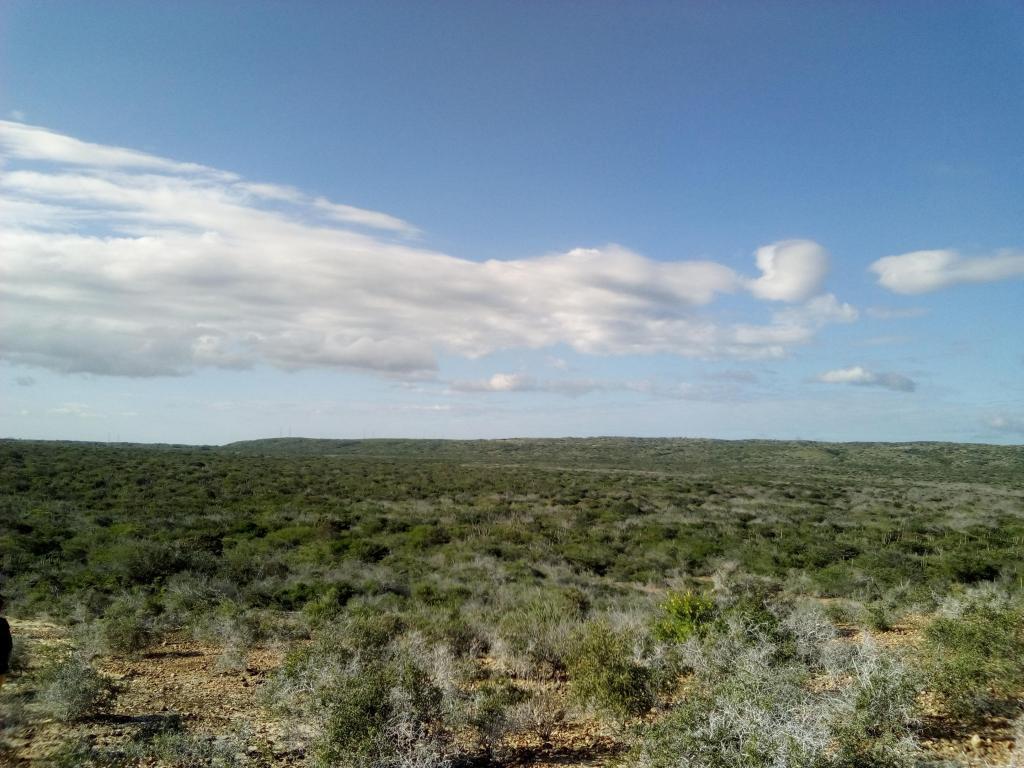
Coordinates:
(862, 377)
(348, 214)
(734, 376)
(1008, 424)
(925, 271)
(725, 388)
(895, 313)
(123, 263)
(519, 382)
(30, 142)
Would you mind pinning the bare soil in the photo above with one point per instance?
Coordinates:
(181, 681)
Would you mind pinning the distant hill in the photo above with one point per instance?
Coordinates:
(938, 461)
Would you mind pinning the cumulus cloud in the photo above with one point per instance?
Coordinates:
(122, 263)
(792, 270)
(862, 377)
(925, 271)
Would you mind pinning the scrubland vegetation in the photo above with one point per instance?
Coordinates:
(649, 603)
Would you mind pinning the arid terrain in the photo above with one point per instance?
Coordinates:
(526, 603)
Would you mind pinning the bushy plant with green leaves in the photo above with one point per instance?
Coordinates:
(367, 708)
(604, 673)
(491, 710)
(684, 614)
(974, 651)
(233, 629)
(534, 634)
(129, 625)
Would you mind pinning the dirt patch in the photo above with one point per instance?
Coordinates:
(178, 685)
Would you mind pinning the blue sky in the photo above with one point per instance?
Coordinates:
(222, 221)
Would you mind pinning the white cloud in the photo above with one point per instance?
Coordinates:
(817, 312)
(862, 377)
(727, 386)
(30, 142)
(122, 263)
(518, 382)
(1009, 424)
(24, 381)
(793, 270)
(501, 382)
(373, 219)
(795, 325)
(925, 271)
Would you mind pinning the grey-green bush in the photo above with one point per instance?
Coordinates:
(379, 709)
(752, 704)
(72, 689)
(128, 626)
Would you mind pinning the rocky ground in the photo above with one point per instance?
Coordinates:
(182, 684)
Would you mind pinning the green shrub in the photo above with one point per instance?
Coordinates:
(72, 689)
(330, 602)
(378, 711)
(684, 614)
(180, 749)
(756, 721)
(368, 630)
(128, 626)
(604, 674)
(234, 629)
(491, 711)
(534, 635)
(974, 652)
(878, 617)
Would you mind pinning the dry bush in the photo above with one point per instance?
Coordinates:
(72, 689)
